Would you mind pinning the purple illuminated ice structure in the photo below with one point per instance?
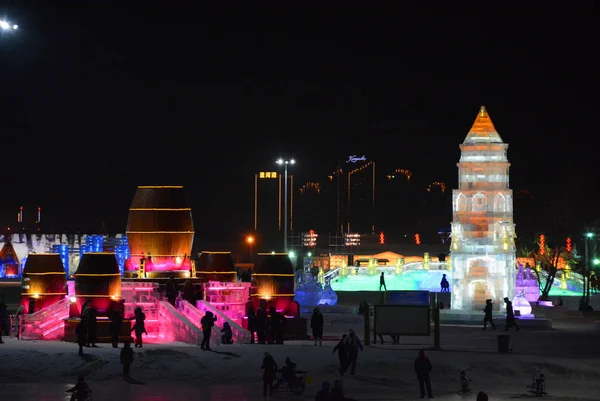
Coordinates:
(240, 335)
(176, 327)
(47, 323)
(311, 293)
(146, 295)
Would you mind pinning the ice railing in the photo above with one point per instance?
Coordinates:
(194, 315)
(176, 327)
(46, 324)
(145, 295)
(240, 335)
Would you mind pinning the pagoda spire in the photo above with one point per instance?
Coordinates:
(483, 130)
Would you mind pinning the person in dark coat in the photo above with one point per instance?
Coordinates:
(510, 315)
(261, 325)
(337, 392)
(354, 345)
(171, 290)
(126, 359)
(269, 375)
(81, 390)
(92, 329)
(81, 332)
(323, 394)
(481, 396)
(423, 369)
(444, 284)
(316, 324)
(226, 334)
(343, 348)
(139, 326)
(382, 282)
(116, 321)
(488, 314)
(189, 294)
(276, 326)
(207, 322)
(251, 323)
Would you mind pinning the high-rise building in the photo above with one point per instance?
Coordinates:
(268, 209)
(483, 247)
(360, 199)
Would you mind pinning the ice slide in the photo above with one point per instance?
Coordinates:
(47, 323)
(195, 314)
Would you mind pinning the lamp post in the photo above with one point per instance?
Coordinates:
(586, 279)
(7, 26)
(285, 164)
(250, 241)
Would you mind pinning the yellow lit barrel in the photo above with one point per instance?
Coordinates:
(161, 230)
(98, 281)
(273, 281)
(44, 280)
(216, 266)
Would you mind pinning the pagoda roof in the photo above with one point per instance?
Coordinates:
(7, 250)
(483, 130)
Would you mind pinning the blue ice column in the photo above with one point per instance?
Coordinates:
(63, 251)
(122, 253)
(95, 242)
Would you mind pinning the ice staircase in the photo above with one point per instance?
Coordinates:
(146, 295)
(240, 335)
(174, 326)
(47, 323)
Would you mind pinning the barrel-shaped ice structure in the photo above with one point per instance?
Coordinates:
(44, 281)
(160, 230)
(98, 281)
(215, 266)
(273, 281)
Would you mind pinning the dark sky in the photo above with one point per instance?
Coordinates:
(98, 98)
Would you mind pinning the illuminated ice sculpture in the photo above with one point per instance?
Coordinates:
(483, 248)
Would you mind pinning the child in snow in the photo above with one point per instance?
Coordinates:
(126, 359)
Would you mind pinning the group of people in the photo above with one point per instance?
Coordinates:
(510, 315)
(88, 327)
(347, 349)
(266, 326)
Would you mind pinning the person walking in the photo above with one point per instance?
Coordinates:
(269, 375)
(139, 327)
(126, 359)
(354, 345)
(510, 315)
(116, 322)
(316, 324)
(488, 314)
(382, 282)
(423, 369)
(342, 349)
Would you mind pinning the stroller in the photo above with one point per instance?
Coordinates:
(295, 380)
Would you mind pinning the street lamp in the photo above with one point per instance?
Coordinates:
(587, 268)
(7, 26)
(285, 164)
(250, 241)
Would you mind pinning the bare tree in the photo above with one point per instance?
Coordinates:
(548, 257)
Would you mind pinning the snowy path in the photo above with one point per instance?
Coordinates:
(568, 355)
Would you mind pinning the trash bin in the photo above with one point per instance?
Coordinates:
(504, 343)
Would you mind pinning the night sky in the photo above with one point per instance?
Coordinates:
(99, 98)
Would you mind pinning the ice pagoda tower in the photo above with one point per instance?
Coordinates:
(483, 247)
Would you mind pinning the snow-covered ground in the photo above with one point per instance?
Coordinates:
(568, 354)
